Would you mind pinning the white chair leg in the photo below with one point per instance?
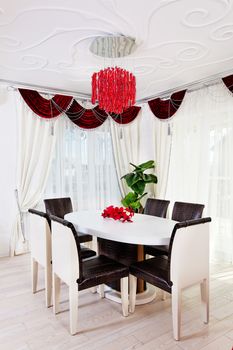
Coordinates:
(101, 291)
(164, 295)
(94, 289)
(48, 285)
(205, 300)
(88, 244)
(56, 293)
(125, 296)
(73, 301)
(34, 271)
(94, 244)
(176, 312)
(132, 292)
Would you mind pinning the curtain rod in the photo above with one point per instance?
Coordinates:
(195, 85)
(44, 89)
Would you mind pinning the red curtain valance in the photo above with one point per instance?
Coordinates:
(228, 81)
(127, 116)
(92, 118)
(84, 118)
(164, 109)
(43, 107)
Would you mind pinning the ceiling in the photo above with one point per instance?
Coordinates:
(46, 42)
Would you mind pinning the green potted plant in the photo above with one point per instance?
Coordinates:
(137, 181)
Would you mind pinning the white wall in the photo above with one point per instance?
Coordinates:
(8, 148)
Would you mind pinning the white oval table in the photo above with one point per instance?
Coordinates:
(144, 230)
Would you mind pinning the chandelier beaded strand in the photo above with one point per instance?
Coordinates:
(114, 88)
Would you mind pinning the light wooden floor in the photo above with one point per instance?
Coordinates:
(26, 324)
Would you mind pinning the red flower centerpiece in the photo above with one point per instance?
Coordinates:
(118, 213)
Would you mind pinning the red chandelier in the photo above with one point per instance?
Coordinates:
(114, 88)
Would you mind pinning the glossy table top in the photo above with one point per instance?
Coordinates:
(145, 229)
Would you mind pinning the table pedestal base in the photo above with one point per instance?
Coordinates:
(142, 298)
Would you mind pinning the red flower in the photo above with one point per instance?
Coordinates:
(118, 213)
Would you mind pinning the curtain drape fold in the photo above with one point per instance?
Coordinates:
(127, 116)
(86, 118)
(162, 141)
(125, 142)
(228, 81)
(133, 143)
(165, 109)
(83, 117)
(201, 167)
(36, 144)
(43, 107)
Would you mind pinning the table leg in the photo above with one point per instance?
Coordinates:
(126, 254)
(140, 282)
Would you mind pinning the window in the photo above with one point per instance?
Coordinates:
(220, 190)
(83, 167)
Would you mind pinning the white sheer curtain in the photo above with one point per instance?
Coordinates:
(36, 143)
(134, 143)
(160, 142)
(83, 167)
(125, 141)
(201, 167)
(144, 139)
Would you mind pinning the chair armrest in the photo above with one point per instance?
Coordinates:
(192, 222)
(65, 223)
(40, 213)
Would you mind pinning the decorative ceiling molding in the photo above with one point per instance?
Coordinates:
(178, 41)
(87, 15)
(223, 32)
(203, 15)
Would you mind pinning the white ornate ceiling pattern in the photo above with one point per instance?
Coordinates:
(47, 42)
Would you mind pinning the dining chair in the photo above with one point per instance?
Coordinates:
(80, 274)
(41, 253)
(182, 211)
(60, 207)
(187, 263)
(156, 207)
(124, 252)
(40, 238)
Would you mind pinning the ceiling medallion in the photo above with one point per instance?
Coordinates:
(113, 46)
(114, 88)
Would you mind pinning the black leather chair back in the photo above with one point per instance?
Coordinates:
(58, 206)
(187, 211)
(156, 207)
